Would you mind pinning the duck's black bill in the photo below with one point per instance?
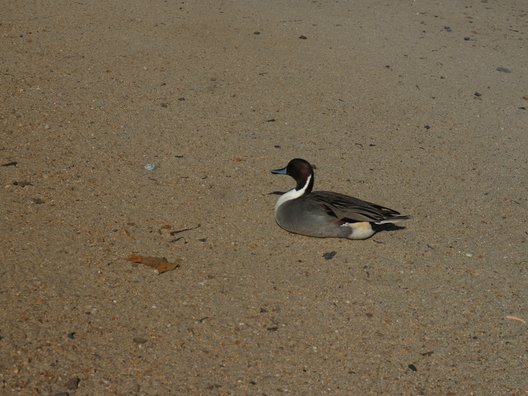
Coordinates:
(282, 171)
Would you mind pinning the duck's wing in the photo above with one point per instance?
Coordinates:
(350, 209)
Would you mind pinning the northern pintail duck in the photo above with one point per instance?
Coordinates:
(327, 214)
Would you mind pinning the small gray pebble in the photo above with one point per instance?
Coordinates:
(329, 255)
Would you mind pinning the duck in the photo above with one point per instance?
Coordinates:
(326, 214)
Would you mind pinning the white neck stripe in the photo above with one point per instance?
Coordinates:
(293, 194)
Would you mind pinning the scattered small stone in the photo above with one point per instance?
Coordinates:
(303, 37)
(256, 33)
(427, 126)
(522, 107)
(429, 353)
(182, 99)
(164, 105)
(329, 255)
(73, 383)
(412, 367)
(271, 120)
(203, 240)
(448, 29)
(503, 69)
(369, 315)
(12, 163)
(37, 201)
(263, 310)
(71, 335)
(477, 94)
(273, 328)
(277, 146)
(22, 183)
(467, 38)
(140, 340)
(150, 167)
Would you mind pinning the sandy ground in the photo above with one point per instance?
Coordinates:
(417, 105)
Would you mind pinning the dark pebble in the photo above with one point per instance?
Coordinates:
(71, 335)
(429, 353)
(412, 367)
(273, 328)
(467, 38)
(73, 383)
(503, 69)
(303, 37)
(448, 29)
(427, 126)
(256, 33)
(12, 163)
(477, 94)
(522, 108)
(277, 146)
(140, 340)
(329, 255)
(164, 105)
(271, 120)
(181, 99)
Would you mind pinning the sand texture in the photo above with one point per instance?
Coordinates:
(132, 131)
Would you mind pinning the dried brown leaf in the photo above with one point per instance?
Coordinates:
(161, 264)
